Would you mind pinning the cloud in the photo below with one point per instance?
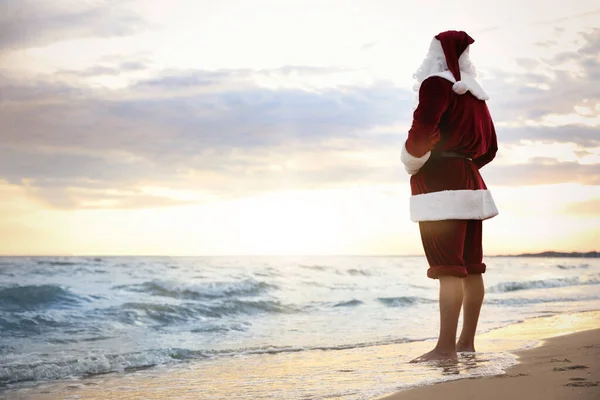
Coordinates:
(584, 136)
(238, 139)
(542, 171)
(584, 208)
(202, 81)
(104, 70)
(555, 21)
(582, 153)
(527, 63)
(232, 139)
(177, 113)
(30, 23)
(60, 198)
(48, 168)
(223, 134)
(553, 85)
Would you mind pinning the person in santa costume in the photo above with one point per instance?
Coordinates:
(452, 136)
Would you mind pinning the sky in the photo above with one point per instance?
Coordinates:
(192, 127)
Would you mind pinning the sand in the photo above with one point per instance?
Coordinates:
(564, 367)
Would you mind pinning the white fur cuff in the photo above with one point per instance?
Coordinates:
(453, 204)
(413, 164)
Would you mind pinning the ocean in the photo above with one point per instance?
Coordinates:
(76, 319)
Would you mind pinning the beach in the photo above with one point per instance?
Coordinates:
(294, 328)
(565, 367)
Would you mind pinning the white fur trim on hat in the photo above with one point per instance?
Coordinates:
(413, 164)
(453, 204)
(460, 87)
(467, 81)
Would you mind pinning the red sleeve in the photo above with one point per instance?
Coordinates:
(492, 150)
(434, 99)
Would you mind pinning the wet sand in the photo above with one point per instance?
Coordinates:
(563, 367)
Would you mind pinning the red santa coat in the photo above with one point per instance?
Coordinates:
(444, 121)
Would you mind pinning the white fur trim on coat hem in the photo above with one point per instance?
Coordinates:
(453, 204)
(413, 164)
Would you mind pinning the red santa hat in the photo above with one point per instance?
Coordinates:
(454, 44)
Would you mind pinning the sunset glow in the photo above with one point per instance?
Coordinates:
(275, 127)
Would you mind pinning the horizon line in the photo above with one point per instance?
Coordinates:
(283, 255)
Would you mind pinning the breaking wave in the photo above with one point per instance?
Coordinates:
(56, 263)
(202, 290)
(137, 313)
(35, 297)
(124, 362)
(350, 303)
(403, 301)
(540, 284)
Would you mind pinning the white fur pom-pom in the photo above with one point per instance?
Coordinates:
(460, 87)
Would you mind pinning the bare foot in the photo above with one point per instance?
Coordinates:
(465, 347)
(436, 355)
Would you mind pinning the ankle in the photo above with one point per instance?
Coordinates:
(449, 350)
(465, 345)
(466, 339)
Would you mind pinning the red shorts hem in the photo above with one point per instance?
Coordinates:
(476, 268)
(447, 270)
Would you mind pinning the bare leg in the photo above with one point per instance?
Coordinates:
(451, 296)
(473, 298)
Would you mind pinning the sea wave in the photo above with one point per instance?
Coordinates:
(315, 267)
(581, 266)
(159, 314)
(79, 340)
(85, 366)
(56, 263)
(79, 316)
(27, 325)
(403, 301)
(349, 303)
(358, 272)
(536, 300)
(35, 297)
(545, 283)
(208, 327)
(201, 290)
(106, 363)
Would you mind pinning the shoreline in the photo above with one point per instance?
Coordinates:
(365, 373)
(564, 365)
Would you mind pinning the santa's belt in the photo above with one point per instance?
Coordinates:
(445, 154)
